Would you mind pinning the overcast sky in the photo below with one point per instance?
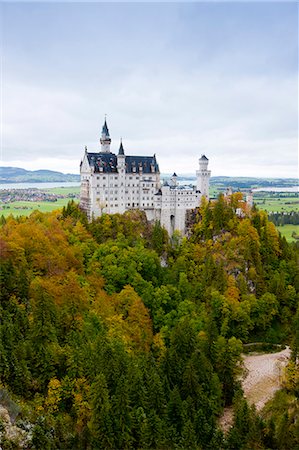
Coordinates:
(175, 79)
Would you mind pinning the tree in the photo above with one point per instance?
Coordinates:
(101, 416)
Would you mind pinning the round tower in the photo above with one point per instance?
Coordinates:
(203, 176)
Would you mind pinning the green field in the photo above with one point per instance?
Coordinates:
(283, 204)
(25, 208)
(287, 230)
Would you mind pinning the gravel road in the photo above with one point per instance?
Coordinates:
(263, 376)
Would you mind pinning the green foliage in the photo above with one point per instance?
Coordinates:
(247, 430)
(114, 336)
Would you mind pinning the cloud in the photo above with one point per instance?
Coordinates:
(230, 119)
(172, 81)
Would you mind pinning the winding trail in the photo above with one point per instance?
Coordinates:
(263, 376)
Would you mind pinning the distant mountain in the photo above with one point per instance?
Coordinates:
(252, 182)
(18, 175)
(223, 182)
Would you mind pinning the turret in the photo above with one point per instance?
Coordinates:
(121, 151)
(121, 159)
(203, 176)
(105, 139)
(121, 169)
(174, 180)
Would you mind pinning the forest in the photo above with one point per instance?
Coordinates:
(280, 218)
(115, 336)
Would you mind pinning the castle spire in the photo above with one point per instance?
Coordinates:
(121, 148)
(105, 138)
(105, 130)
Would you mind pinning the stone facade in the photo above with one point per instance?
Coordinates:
(114, 183)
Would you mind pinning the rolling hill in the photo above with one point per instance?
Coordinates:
(18, 175)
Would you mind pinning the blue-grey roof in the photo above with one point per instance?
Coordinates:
(148, 163)
(121, 149)
(108, 162)
(105, 129)
(204, 157)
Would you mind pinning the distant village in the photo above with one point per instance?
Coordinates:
(8, 196)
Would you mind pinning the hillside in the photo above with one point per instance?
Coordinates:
(18, 175)
(114, 336)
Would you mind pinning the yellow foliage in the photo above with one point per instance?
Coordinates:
(137, 324)
(81, 394)
(272, 233)
(54, 395)
(159, 345)
(291, 379)
(232, 293)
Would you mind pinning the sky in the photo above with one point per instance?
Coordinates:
(175, 79)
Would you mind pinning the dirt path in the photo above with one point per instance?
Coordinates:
(262, 378)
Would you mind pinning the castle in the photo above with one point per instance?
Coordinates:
(114, 183)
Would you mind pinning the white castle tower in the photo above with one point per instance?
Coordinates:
(203, 176)
(105, 139)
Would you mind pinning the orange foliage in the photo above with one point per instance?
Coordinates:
(232, 293)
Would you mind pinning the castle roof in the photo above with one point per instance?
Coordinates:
(203, 157)
(147, 163)
(107, 162)
(121, 149)
(105, 129)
